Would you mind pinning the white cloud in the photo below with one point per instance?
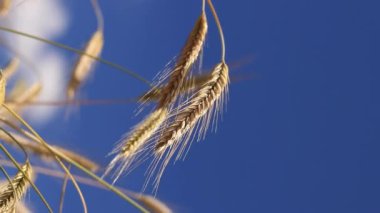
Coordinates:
(47, 19)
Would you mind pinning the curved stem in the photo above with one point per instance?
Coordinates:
(223, 56)
(98, 14)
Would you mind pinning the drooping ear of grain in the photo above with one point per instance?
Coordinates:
(11, 68)
(3, 82)
(202, 105)
(153, 204)
(199, 105)
(12, 192)
(188, 56)
(151, 123)
(84, 63)
(129, 147)
(4, 7)
(41, 151)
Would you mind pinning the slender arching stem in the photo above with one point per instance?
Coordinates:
(223, 56)
(98, 14)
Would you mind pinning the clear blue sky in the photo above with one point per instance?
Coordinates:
(301, 135)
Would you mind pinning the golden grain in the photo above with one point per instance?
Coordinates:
(84, 63)
(12, 192)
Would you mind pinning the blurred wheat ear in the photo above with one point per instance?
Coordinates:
(12, 192)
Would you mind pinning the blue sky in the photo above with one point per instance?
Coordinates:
(300, 135)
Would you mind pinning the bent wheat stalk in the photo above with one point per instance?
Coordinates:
(11, 193)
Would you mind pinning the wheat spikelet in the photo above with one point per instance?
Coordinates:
(11, 68)
(83, 65)
(199, 105)
(44, 153)
(130, 146)
(12, 192)
(4, 7)
(188, 56)
(153, 204)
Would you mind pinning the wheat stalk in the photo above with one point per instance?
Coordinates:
(84, 64)
(12, 192)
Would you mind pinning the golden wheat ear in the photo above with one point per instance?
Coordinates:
(130, 147)
(84, 63)
(138, 137)
(11, 193)
(198, 111)
(188, 56)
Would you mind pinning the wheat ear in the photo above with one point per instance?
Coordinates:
(84, 63)
(12, 192)
(130, 146)
(199, 105)
(188, 56)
